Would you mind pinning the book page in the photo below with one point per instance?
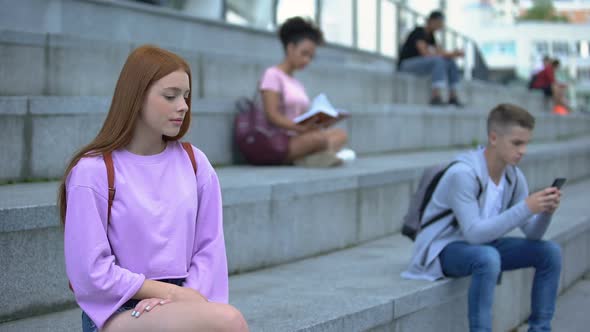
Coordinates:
(320, 105)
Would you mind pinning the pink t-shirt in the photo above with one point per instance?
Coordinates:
(294, 100)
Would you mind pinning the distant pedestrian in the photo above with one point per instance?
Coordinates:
(421, 55)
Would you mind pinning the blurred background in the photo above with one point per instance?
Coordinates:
(505, 40)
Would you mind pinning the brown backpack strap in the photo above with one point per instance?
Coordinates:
(189, 150)
(108, 160)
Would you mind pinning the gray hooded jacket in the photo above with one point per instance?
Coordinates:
(458, 190)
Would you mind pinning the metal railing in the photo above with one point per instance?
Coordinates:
(393, 21)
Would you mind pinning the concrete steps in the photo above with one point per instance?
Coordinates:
(63, 63)
(359, 288)
(281, 207)
(58, 64)
(569, 313)
(569, 316)
(44, 132)
(129, 21)
(67, 65)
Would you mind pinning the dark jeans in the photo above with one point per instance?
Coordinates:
(89, 326)
(485, 262)
(547, 90)
(442, 70)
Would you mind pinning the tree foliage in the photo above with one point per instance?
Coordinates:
(543, 10)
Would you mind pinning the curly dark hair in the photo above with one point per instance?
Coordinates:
(297, 28)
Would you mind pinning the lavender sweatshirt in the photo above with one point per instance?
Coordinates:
(164, 224)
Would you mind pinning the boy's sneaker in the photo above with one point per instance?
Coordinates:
(437, 101)
(323, 159)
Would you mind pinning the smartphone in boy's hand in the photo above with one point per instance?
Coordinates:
(558, 183)
(548, 199)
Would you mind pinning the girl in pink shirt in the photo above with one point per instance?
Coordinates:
(284, 98)
(157, 262)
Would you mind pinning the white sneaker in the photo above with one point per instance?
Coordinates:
(346, 155)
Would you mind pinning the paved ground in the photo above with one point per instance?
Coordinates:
(573, 314)
(573, 309)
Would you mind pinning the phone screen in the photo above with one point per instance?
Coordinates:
(558, 183)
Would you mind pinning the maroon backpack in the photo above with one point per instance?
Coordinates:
(258, 141)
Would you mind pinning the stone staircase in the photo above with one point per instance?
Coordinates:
(308, 249)
(292, 233)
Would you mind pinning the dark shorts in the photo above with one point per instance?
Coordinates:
(89, 326)
(547, 91)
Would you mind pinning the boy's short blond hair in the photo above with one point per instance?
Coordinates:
(506, 115)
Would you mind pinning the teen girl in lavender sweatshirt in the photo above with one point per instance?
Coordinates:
(158, 262)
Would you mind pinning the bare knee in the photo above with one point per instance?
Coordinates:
(343, 136)
(320, 141)
(337, 137)
(231, 320)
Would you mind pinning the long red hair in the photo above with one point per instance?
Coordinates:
(144, 66)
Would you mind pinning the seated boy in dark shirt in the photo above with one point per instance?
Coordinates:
(421, 55)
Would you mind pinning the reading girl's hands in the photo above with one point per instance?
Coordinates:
(330, 123)
(305, 128)
(146, 305)
(546, 200)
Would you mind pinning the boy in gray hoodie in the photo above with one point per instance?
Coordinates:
(489, 197)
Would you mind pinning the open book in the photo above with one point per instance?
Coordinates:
(321, 113)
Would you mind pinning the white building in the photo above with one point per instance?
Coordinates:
(519, 48)
(516, 48)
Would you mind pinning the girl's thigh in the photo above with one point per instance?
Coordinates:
(307, 143)
(181, 316)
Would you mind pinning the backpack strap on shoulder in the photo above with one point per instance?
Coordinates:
(480, 185)
(448, 212)
(428, 197)
(108, 160)
(189, 150)
(515, 187)
(432, 187)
